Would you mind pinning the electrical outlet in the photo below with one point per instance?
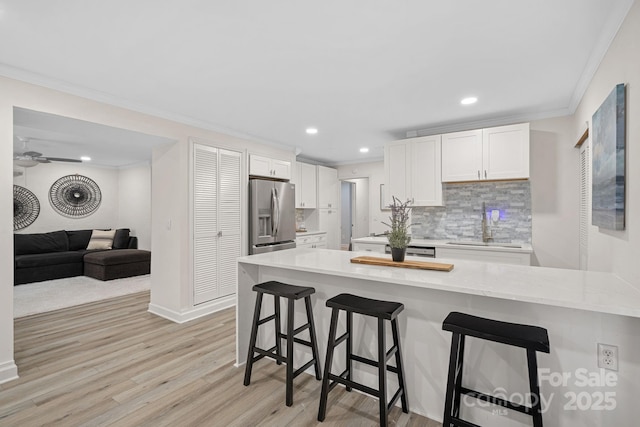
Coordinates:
(608, 356)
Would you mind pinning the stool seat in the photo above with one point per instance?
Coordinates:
(369, 307)
(284, 290)
(525, 336)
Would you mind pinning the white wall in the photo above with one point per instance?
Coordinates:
(171, 246)
(126, 198)
(375, 172)
(134, 202)
(555, 175)
(619, 251)
(39, 179)
(555, 185)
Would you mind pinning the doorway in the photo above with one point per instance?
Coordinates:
(118, 162)
(355, 210)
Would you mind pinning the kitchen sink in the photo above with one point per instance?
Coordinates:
(495, 244)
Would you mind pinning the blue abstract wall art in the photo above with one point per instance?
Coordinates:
(608, 168)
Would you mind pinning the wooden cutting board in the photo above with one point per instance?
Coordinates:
(421, 265)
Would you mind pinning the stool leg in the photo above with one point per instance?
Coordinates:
(289, 362)
(331, 343)
(458, 383)
(312, 337)
(454, 380)
(349, 346)
(382, 374)
(252, 340)
(400, 366)
(536, 402)
(276, 308)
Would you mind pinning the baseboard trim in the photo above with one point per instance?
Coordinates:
(8, 371)
(194, 313)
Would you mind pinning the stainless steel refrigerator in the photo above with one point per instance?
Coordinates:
(272, 216)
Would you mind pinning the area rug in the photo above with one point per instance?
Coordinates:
(39, 297)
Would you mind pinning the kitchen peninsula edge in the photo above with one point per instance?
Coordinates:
(578, 308)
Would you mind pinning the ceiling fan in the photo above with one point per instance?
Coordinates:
(28, 158)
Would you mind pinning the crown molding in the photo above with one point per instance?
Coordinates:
(105, 98)
(600, 49)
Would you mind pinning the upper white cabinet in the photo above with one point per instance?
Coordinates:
(306, 186)
(486, 154)
(413, 171)
(268, 167)
(505, 152)
(328, 188)
(462, 156)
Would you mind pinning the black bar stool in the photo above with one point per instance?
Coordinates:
(531, 338)
(383, 310)
(291, 293)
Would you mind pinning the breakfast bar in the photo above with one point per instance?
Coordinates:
(579, 309)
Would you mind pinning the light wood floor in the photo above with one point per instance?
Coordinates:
(113, 363)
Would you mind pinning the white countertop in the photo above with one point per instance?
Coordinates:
(524, 247)
(309, 233)
(591, 291)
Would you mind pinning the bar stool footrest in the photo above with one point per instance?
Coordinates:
(266, 319)
(268, 353)
(373, 363)
(496, 401)
(303, 368)
(361, 387)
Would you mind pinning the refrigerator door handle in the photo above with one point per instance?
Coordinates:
(273, 219)
(277, 220)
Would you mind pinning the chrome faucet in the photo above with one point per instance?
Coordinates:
(487, 233)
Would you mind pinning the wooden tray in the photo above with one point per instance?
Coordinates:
(421, 265)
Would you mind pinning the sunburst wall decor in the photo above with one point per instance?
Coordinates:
(26, 207)
(75, 196)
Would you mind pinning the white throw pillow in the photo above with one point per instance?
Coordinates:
(101, 239)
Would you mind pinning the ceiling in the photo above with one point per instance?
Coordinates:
(362, 72)
(64, 137)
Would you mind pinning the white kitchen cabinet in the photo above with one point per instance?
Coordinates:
(368, 247)
(488, 154)
(462, 156)
(484, 255)
(329, 220)
(328, 188)
(313, 241)
(306, 186)
(506, 152)
(216, 222)
(413, 171)
(268, 167)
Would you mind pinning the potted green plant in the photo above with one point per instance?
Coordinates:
(399, 236)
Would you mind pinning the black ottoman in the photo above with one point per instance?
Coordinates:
(117, 263)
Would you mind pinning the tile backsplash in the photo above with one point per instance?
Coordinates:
(461, 217)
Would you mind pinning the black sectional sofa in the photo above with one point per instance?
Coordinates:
(58, 254)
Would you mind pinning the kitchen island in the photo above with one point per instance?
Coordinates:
(579, 310)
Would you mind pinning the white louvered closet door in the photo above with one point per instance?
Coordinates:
(205, 223)
(585, 187)
(216, 222)
(229, 219)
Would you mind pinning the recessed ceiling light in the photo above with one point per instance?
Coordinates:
(312, 131)
(85, 158)
(364, 150)
(468, 101)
